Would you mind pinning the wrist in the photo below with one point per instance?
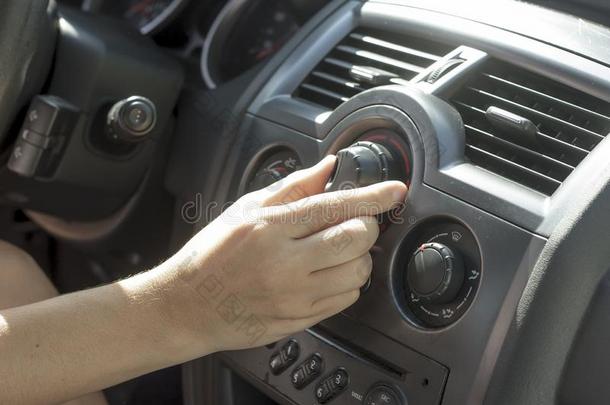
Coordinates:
(170, 310)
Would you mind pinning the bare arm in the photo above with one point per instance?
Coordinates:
(276, 263)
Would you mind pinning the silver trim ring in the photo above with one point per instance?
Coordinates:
(231, 9)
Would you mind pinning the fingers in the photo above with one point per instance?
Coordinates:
(341, 279)
(327, 307)
(320, 310)
(298, 185)
(319, 212)
(339, 244)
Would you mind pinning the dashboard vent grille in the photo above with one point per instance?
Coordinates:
(367, 59)
(564, 125)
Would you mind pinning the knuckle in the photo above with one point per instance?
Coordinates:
(364, 268)
(351, 298)
(245, 229)
(372, 232)
(365, 234)
(338, 238)
(331, 205)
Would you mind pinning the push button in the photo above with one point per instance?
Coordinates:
(298, 377)
(340, 380)
(49, 115)
(36, 139)
(47, 120)
(331, 386)
(323, 393)
(382, 395)
(306, 372)
(25, 159)
(286, 357)
(276, 364)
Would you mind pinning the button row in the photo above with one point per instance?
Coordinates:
(331, 385)
(47, 121)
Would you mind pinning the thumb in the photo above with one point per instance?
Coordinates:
(301, 184)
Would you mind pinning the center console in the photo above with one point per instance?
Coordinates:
(448, 104)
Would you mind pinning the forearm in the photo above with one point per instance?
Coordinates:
(79, 343)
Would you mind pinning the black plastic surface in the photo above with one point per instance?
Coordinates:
(585, 380)
(555, 303)
(418, 379)
(98, 62)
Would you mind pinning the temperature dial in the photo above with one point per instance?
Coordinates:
(363, 164)
(435, 273)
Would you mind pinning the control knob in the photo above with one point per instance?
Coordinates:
(132, 120)
(435, 273)
(364, 164)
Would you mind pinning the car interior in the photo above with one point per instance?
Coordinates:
(128, 125)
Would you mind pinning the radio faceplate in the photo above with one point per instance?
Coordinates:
(349, 373)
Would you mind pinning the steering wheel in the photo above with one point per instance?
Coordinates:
(68, 161)
(28, 32)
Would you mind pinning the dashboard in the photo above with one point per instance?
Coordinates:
(500, 122)
(489, 286)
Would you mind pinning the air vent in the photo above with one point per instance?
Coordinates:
(528, 128)
(367, 59)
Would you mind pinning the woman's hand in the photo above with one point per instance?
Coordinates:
(277, 262)
(280, 260)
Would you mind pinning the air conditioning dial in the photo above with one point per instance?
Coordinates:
(435, 273)
(361, 165)
(378, 156)
(440, 272)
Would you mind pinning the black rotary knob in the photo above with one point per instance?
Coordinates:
(435, 273)
(132, 120)
(363, 164)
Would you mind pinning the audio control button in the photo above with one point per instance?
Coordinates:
(382, 395)
(306, 372)
(332, 385)
(284, 358)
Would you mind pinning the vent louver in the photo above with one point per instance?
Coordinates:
(567, 125)
(367, 59)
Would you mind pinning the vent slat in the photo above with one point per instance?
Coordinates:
(569, 125)
(371, 57)
(325, 92)
(322, 96)
(394, 47)
(553, 167)
(547, 96)
(390, 57)
(557, 143)
(338, 80)
(512, 170)
(596, 137)
(339, 63)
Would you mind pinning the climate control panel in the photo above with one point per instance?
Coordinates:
(440, 272)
